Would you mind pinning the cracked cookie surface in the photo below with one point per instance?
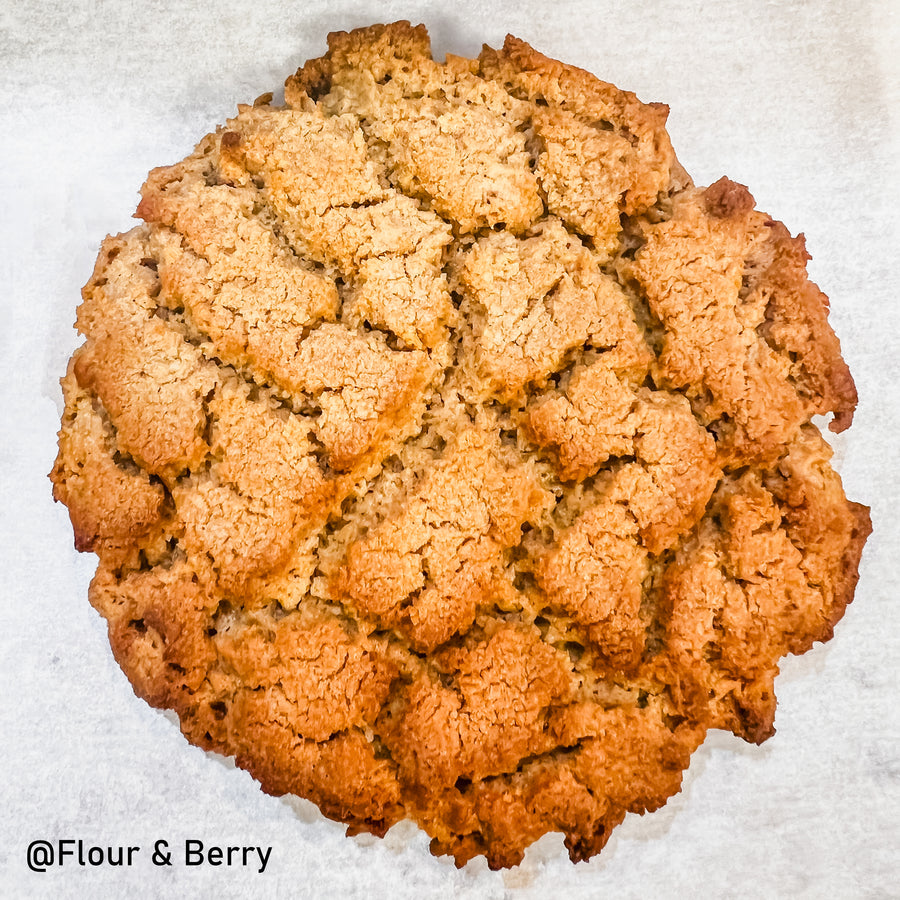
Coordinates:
(448, 454)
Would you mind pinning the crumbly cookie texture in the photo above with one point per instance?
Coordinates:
(448, 454)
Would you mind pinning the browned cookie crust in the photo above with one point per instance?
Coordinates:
(448, 454)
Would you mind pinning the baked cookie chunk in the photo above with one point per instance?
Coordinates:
(448, 454)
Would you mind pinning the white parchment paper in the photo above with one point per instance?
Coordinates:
(797, 100)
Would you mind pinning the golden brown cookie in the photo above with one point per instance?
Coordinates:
(448, 454)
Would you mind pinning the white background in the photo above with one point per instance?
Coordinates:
(797, 100)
